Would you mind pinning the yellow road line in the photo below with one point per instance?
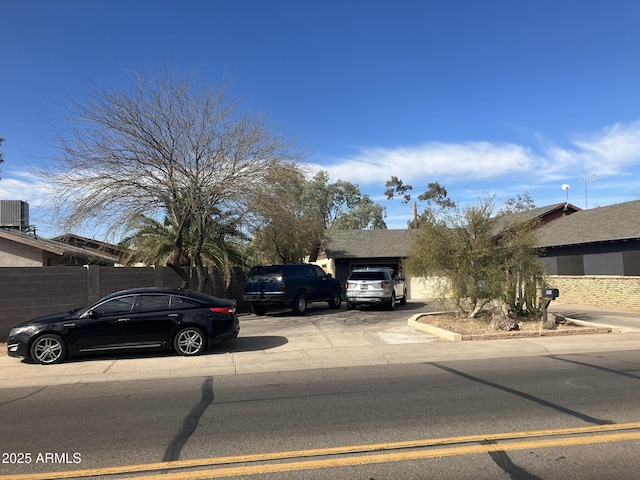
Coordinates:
(393, 457)
(354, 449)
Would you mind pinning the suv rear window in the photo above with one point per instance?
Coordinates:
(367, 276)
(265, 272)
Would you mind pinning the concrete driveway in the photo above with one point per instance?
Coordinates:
(323, 327)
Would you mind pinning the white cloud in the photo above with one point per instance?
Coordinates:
(434, 160)
(609, 152)
(22, 187)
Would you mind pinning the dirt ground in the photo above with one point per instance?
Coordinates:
(483, 325)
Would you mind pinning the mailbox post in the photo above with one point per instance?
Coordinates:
(548, 294)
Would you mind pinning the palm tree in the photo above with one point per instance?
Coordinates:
(153, 243)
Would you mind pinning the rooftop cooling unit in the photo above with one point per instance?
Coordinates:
(14, 213)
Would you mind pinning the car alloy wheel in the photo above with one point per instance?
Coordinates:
(48, 349)
(189, 341)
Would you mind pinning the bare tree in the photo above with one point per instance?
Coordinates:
(165, 146)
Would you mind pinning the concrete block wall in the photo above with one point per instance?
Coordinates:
(27, 292)
(30, 292)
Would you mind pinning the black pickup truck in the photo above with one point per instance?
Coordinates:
(291, 286)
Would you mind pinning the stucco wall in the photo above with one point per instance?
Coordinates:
(423, 288)
(14, 254)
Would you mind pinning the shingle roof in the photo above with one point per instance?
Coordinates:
(368, 243)
(602, 224)
(540, 213)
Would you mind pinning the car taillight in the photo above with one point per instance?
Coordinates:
(384, 284)
(227, 310)
(346, 285)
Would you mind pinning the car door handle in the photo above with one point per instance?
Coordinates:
(174, 315)
(68, 325)
(123, 320)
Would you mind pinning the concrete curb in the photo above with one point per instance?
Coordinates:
(440, 332)
(591, 324)
(458, 337)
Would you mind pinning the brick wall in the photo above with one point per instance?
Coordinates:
(606, 291)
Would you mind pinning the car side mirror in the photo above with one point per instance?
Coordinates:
(92, 314)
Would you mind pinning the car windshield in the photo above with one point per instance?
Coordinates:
(367, 276)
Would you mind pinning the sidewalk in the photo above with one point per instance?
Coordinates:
(307, 343)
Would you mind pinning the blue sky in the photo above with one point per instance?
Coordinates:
(498, 97)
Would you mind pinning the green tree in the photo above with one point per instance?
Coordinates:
(165, 146)
(281, 230)
(295, 214)
(480, 258)
(521, 203)
(435, 197)
(341, 205)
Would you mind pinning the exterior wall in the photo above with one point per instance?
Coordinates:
(423, 288)
(27, 293)
(14, 254)
(604, 291)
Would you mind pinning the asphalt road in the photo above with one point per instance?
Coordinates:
(113, 424)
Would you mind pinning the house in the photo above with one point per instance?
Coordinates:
(600, 241)
(591, 256)
(19, 249)
(349, 249)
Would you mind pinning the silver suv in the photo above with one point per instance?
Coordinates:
(369, 286)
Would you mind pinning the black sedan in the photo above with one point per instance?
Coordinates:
(139, 319)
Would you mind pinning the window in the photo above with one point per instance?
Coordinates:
(318, 272)
(181, 303)
(116, 306)
(373, 275)
(153, 303)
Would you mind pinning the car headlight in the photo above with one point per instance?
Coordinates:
(22, 330)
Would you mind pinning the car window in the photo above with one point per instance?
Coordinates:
(153, 303)
(367, 276)
(319, 272)
(298, 271)
(116, 306)
(179, 303)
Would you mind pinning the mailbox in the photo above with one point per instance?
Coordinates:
(551, 293)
